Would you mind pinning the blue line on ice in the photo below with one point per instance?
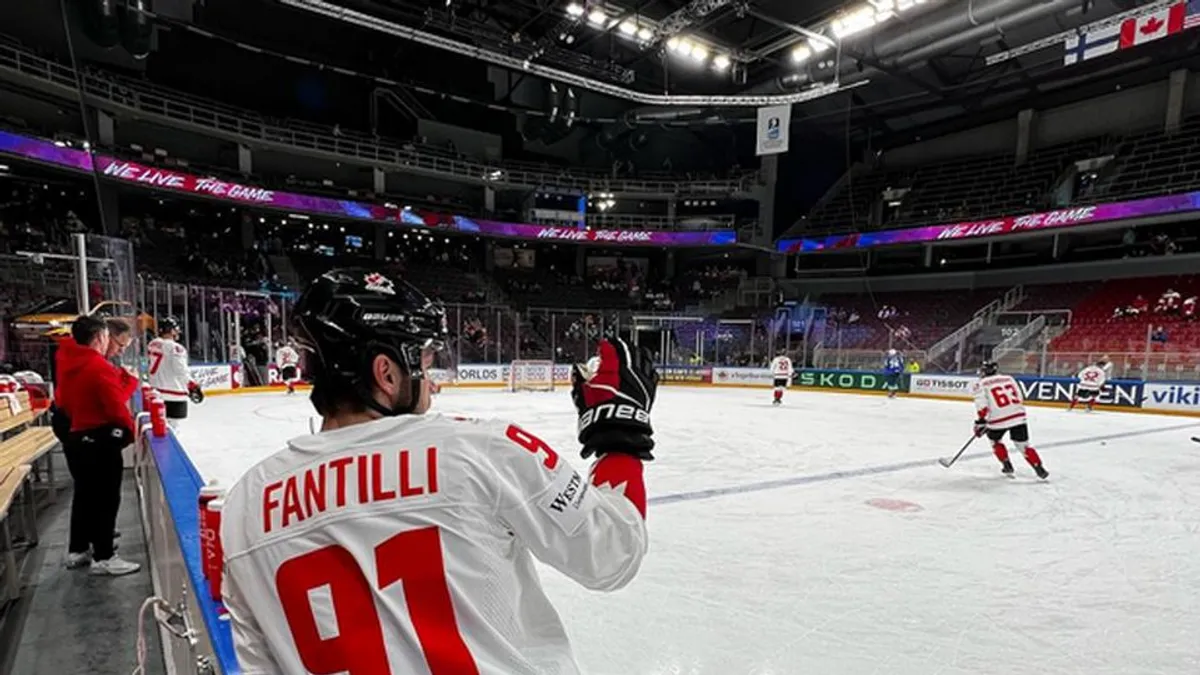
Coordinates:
(791, 481)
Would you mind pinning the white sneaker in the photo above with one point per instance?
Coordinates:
(114, 567)
(77, 560)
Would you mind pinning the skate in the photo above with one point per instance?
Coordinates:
(1007, 468)
(777, 402)
(892, 394)
(1041, 471)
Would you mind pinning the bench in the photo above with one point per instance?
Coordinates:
(13, 480)
(32, 448)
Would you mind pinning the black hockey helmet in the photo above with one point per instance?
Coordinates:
(167, 324)
(989, 368)
(346, 317)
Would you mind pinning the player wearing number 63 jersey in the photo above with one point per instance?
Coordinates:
(1001, 411)
(394, 542)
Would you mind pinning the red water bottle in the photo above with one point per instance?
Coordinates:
(214, 575)
(158, 417)
(208, 533)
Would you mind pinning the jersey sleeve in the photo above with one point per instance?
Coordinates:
(249, 642)
(589, 527)
(979, 393)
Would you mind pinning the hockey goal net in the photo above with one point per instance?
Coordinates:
(531, 376)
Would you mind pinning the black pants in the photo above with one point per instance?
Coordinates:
(94, 460)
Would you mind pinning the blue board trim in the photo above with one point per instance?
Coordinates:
(181, 484)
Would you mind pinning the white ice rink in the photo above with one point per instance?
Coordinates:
(772, 552)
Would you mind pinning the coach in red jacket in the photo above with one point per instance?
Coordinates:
(93, 395)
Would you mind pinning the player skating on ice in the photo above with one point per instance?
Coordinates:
(1091, 381)
(288, 361)
(398, 542)
(781, 371)
(1002, 411)
(169, 372)
(893, 370)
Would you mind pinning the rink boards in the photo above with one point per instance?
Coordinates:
(169, 480)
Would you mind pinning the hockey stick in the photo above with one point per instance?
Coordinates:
(1196, 438)
(947, 463)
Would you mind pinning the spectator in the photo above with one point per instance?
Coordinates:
(1140, 306)
(1159, 335)
(1168, 302)
(120, 336)
(94, 396)
(1189, 309)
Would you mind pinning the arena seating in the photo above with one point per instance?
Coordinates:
(1093, 327)
(962, 189)
(1153, 163)
(922, 318)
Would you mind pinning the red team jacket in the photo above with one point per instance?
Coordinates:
(91, 391)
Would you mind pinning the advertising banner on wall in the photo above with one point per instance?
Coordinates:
(213, 377)
(841, 379)
(685, 374)
(161, 178)
(952, 386)
(757, 377)
(1122, 393)
(1174, 397)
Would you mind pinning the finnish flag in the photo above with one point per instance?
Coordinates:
(1092, 44)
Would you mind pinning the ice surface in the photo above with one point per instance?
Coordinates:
(766, 557)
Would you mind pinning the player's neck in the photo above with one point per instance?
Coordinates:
(343, 420)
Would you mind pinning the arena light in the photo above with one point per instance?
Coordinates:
(721, 62)
(645, 34)
(628, 28)
(575, 9)
(801, 53)
(699, 52)
(598, 18)
(855, 21)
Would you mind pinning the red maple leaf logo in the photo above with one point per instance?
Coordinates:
(1152, 26)
(1091, 377)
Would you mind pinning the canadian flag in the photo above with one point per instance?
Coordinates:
(1153, 26)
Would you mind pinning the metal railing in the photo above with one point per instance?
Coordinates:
(1173, 365)
(958, 338)
(1014, 341)
(645, 222)
(245, 126)
(858, 359)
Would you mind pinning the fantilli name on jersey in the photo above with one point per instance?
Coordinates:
(1092, 378)
(169, 372)
(998, 400)
(781, 367)
(406, 545)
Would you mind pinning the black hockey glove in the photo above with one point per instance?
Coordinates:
(195, 393)
(614, 403)
(980, 427)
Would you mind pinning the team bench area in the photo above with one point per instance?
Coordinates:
(26, 474)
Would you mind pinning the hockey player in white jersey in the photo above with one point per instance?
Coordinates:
(287, 359)
(397, 542)
(1001, 411)
(1091, 381)
(781, 371)
(169, 372)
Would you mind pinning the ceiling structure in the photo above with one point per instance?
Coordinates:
(878, 67)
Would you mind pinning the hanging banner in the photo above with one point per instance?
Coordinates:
(773, 124)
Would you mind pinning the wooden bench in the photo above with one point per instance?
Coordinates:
(32, 448)
(13, 480)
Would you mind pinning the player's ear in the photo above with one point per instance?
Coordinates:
(386, 374)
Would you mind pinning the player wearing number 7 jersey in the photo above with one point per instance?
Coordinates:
(394, 542)
(1001, 411)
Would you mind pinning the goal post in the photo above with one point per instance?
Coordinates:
(531, 375)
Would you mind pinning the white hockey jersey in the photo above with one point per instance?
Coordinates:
(406, 545)
(998, 400)
(781, 367)
(287, 356)
(169, 373)
(1092, 378)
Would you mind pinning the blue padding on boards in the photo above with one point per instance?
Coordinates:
(181, 483)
